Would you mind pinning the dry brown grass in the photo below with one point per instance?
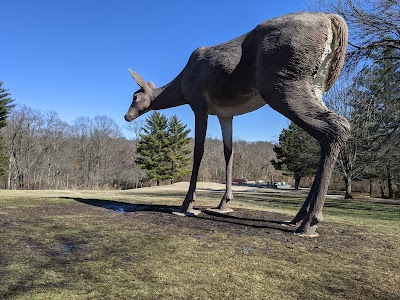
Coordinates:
(76, 245)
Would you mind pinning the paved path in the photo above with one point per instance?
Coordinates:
(201, 186)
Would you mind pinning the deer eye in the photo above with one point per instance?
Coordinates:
(140, 104)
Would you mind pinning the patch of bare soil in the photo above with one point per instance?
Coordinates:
(252, 223)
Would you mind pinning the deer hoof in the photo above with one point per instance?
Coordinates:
(306, 235)
(219, 211)
(288, 224)
(189, 213)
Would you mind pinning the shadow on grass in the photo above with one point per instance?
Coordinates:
(124, 207)
(259, 223)
(227, 216)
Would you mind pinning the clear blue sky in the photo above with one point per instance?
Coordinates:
(73, 56)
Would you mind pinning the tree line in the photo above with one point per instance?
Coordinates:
(44, 152)
(41, 151)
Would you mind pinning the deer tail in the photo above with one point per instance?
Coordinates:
(339, 46)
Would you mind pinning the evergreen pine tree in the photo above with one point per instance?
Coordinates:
(162, 150)
(178, 155)
(5, 106)
(297, 152)
(153, 148)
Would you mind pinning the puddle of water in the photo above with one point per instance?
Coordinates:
(67, 248)
(120, 210)
(248, 249)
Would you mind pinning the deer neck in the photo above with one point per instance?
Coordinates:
(170, 95)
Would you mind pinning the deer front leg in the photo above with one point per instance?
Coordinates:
(199, 140)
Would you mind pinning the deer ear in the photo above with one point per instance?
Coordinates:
(139, 79)
(151, 85)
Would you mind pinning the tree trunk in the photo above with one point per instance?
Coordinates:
(382, 188)
(370, 187)
(347, 181)
(21, 181)
(9, 175)
(297, 182)
(390, 186)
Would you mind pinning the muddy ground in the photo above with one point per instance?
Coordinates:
(241, 223)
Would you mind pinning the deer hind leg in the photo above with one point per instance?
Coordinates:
(303, 210)
(226, 126)
(299, 102)
(329, 153)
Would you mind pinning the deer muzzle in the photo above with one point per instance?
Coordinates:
(132, 114)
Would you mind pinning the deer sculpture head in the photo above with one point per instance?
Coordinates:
(141, 99)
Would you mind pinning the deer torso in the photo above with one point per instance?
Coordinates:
(227, 74)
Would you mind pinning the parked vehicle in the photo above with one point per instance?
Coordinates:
(239, 180)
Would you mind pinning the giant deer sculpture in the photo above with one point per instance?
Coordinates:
(287, 62)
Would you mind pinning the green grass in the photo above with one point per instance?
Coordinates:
(53, 247)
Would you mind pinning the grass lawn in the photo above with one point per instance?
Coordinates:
(125, 245)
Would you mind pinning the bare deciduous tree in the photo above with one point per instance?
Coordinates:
(374, 27)
(47, 153)
(350, 164)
